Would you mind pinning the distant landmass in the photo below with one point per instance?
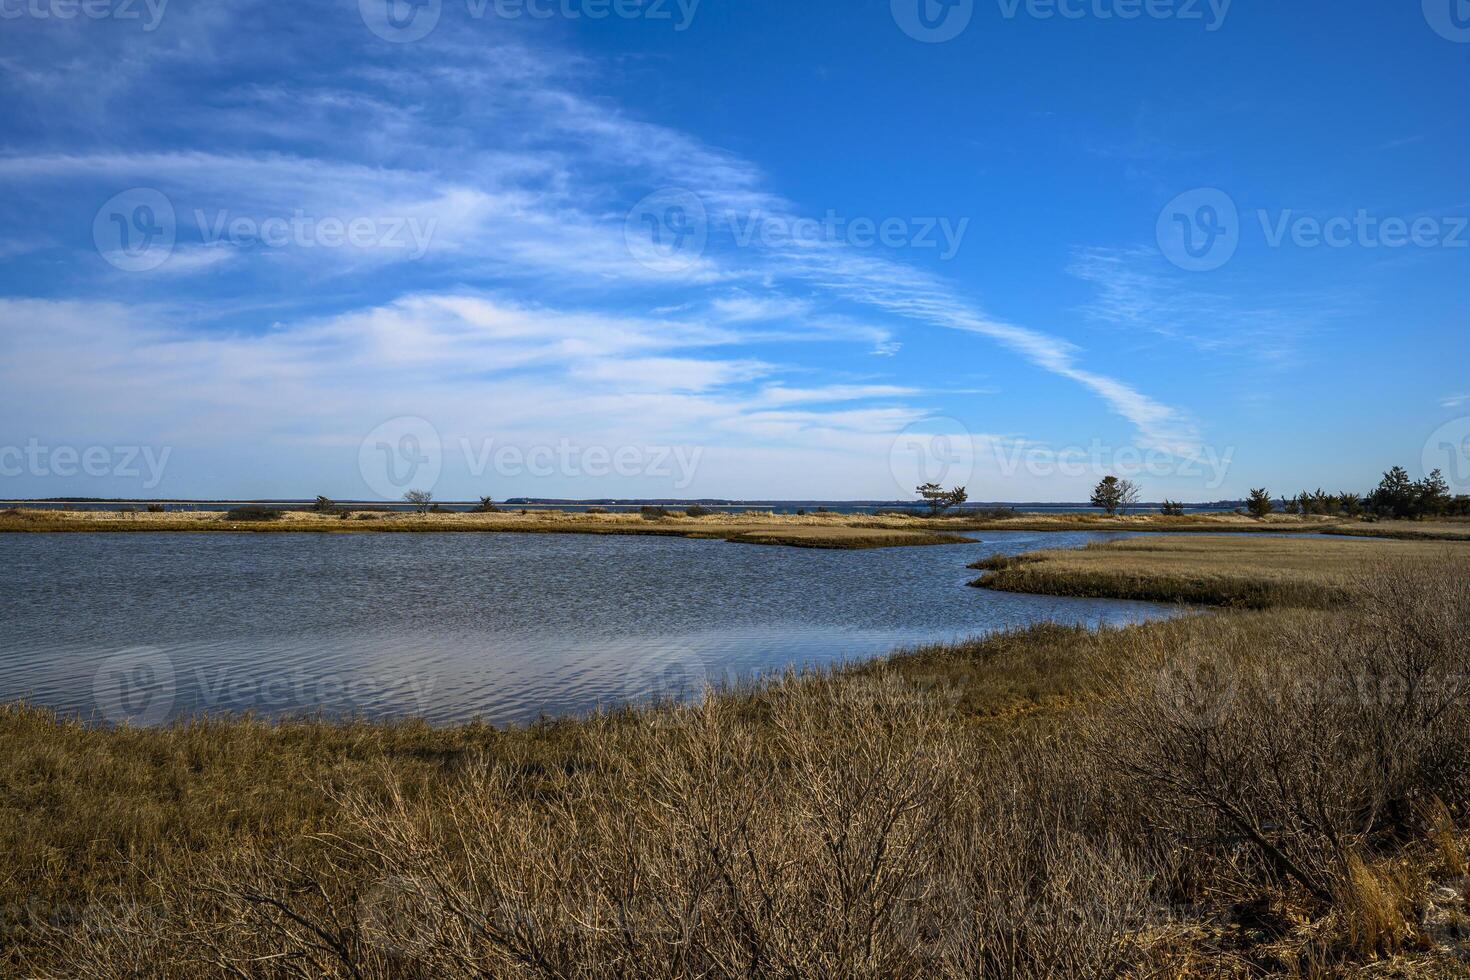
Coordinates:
(623, 503)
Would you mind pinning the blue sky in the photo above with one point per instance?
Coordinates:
(753, 250)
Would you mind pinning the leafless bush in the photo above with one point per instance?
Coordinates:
(1040, 883)
(1287, 765)
(713, 846)
(820, 828)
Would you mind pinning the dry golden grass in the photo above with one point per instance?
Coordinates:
(1227, 571)
(810, 531)
(1444, 530)
(844, 537)
(1447, 530)
(1155, 522)
(1377, 907)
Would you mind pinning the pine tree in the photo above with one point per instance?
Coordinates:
(1108, 495)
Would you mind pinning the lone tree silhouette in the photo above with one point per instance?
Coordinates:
(940, 499)
(1110, 494)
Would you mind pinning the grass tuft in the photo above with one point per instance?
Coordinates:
(1238, 572)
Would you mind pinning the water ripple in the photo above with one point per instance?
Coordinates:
(149, 627)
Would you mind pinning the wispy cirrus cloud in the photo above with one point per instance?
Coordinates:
(1136, 291)
(921, 297)
(481, 368)
(527, 305)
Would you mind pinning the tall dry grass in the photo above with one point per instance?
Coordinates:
(1275, 797)
(840, 830)
(837, 531)
(1238, 571)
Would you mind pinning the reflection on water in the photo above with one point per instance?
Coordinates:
(148, 627)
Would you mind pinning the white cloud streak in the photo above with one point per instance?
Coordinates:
(526, 183)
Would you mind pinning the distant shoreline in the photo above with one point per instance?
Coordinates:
(620, 505)
(829, 530)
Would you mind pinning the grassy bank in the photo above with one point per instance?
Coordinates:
(1447, 529)
(814, 531)
(1218, 571)
(1240, 793)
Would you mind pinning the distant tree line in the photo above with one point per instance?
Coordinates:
(1396, 496)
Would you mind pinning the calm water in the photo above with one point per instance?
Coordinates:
(146, 628)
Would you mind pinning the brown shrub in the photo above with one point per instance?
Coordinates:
(1301, 755)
